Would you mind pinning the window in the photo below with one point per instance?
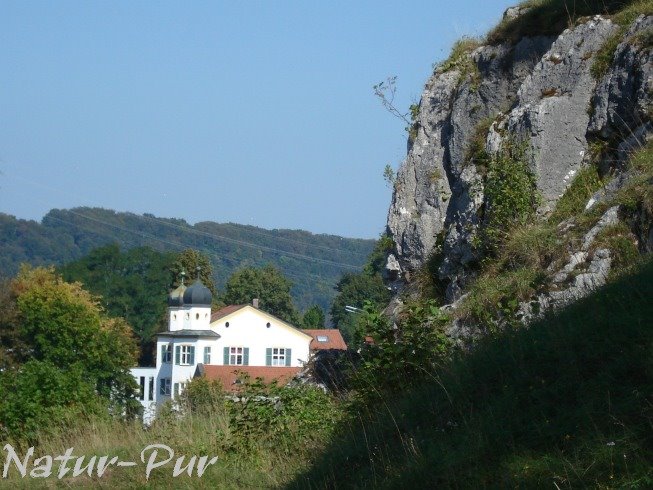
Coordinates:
(166, 353)
(178, 389)
(185, 355)
(150, 390)
(141, 391)
(278, 356)
(322, 338)
(236, 356)
(207, 355)
(164, 386)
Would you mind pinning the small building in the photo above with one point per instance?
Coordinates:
(225, 345)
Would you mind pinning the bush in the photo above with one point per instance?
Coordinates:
(395, 357)
(493, 300)
(265, 415)
(511, 196)
(39, 397)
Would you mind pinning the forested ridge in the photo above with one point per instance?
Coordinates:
(314, 263)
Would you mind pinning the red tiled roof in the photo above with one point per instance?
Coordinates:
(227, 310)
(228, 375)
(334, 339)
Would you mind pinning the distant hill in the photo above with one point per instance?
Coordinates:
(313, 262)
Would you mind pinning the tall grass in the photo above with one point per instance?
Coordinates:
(567, 403)
(252, 453)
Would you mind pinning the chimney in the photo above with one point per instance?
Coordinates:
(255, 303)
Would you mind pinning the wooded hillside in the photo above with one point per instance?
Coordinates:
(314, 263)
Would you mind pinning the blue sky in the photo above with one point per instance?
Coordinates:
(258, 113)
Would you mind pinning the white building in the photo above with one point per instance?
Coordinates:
(222, 345)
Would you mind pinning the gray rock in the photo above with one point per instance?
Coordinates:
(421, 191)
(582, 285)
(610, 217)
(574, 261)
(435, 189)
(514, 12)
(540, 90)
(551, 113)
(392, 269)
(622, 98)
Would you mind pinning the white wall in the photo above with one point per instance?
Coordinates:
(248, 328)
(189, 318)
(149, 404)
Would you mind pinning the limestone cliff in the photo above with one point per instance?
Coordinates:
(542, 90)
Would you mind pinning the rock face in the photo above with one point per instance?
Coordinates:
(433, 185)
(541, 91)
(552, 108)
(622, 98)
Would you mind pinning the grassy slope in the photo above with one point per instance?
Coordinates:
(568, 401)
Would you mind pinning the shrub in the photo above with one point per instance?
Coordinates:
(397, 356)
(476, 153)
(621, 243)
(511, 196)
(290, 418)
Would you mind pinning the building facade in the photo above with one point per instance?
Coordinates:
(220, 345)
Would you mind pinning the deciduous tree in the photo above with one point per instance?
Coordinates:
(267, 284)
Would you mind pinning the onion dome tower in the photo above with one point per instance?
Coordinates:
(197, 294)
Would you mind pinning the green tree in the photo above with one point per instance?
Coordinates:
(267, 284)
(38, 396)
(355, 290)
(313, 317)
(363, 288)
(400, 354)
(188, 261)
(12, 348)
(72, 346)
(132, 284)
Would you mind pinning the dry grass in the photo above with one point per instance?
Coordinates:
(550, 18)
